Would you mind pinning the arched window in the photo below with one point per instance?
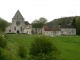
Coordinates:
(14, 28)
(21, 28)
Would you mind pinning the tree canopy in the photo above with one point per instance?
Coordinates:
(61, 21)
(77, 23)
(39, 23)
(3, 24)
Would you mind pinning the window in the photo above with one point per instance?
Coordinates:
(21, 28)
(14, 28)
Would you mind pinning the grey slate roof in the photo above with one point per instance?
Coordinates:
(67, 26)
(27, 23)
(18, 15)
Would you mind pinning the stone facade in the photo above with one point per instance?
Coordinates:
(51, 31)
(59, 30)
(67, 30)
(19, 25)
(28, 29)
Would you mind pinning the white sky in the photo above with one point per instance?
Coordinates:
(34, 9)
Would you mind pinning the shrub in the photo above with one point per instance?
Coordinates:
(2, 57)
(43, 48)
(3, 42)
(22, 51)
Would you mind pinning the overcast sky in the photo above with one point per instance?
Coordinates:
(34, 9)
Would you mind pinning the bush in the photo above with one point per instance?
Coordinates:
(3, 42)
(43, 48)
(2, 57)
(22, 51)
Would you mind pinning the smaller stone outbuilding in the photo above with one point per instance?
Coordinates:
(51, 31)
(67, 30)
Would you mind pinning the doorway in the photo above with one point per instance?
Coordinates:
(17, 31)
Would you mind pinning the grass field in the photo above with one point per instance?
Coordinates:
(69, 46)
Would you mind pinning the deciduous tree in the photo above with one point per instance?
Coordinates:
(39, 23)
(3, 24)
(78, 25)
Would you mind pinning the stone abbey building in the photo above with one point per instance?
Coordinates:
(19, 25)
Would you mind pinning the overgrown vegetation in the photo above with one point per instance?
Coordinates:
(43, 48)
(3, 24)
(22, 52)
(61, 21)
(67, 45)
(3, 42)
(2, 57)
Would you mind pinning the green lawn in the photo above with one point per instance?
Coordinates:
(69, 46)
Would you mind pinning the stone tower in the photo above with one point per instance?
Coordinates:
(18, 23)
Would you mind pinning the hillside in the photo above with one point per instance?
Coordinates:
(61, 21)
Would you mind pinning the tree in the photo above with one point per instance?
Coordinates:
(3, 24)
(77, 22)
(43, 48)
(35, 24)
(39, 23)
(73, 22)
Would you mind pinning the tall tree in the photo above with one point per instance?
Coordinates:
(35, 25)
(73, 22)
(3, 24)
(77, 22)
(39, 23)
(42, 21)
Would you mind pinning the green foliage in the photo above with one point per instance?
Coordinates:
(78, 25)
(69, 46)
(43, 49)
(22, 51)
(39, 23)
(61, 21)
(32, 32)
(3, 24)
(0, 32)
(73, 22)
(3, 42)
(2, 57)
